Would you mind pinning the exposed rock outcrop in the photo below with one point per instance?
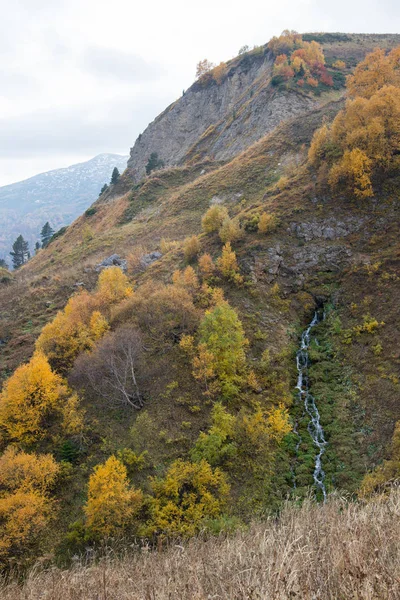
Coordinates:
(219, 120)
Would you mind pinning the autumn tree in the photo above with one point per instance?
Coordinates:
(111, 370)
(33, 399)
(214, 218)
(186, 279)
(230, 230)
(112, 504)
(377, 70)
(360, 148)
(267, 223)
(221, 355)
(73, 330)
(203, 67)
(227, 264)
(112, 286)
(191, 247)
(162, 312)
(385, 474)
(206, 266)
(189, 495)
(26, 508)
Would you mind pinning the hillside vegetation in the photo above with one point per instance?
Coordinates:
(158, 401)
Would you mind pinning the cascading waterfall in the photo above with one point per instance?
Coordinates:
(314, 426)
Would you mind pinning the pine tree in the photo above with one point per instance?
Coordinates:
(46, 234)
(37, 247)
(20, 252)
(3, 264)
(103, 189)
(115, 176)
(154, 163)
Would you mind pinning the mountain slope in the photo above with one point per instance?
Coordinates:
(324, 251)
(57, 196)
(220, 117)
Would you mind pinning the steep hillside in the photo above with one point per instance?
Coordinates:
(261, 329)
(220, 117)
(58, 196)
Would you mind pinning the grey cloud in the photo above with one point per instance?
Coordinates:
(120, 65)
(47, 132)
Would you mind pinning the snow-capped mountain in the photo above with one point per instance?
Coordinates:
(58, 196)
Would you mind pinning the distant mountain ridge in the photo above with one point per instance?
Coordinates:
(57, 196)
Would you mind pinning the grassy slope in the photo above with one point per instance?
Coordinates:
(326, 552)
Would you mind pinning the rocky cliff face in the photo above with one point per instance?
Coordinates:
(219, 120)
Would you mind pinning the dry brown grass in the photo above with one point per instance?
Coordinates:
(335, 551)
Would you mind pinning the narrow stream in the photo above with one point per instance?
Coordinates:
(314, 426)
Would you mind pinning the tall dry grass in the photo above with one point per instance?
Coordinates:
(336, 551)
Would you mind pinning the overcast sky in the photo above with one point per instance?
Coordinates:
(81, 77)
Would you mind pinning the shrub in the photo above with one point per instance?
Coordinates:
(206, 266)
(230, 230)
(163, 313)
(267, 223)
(112, 286)
(91, 211)
(214, 218)
(191, 248)
(228, 266)
(189, 494)
(111, 370)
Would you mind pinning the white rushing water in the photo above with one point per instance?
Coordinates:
(314, 426)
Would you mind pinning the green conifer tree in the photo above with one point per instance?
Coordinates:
(20, 252)
(46, 234)
(115, 176)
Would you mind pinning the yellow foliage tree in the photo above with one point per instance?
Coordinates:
(214, 218)
(27, 472)
(191, 247)
(190, 494)
(206, 266)
(72, 331)
(221, 351)
(386, 473)
(186, 279)
(267, 223)
(354, 172)
(228, 266)
(374, 72)
(112, 504)
(32, 398)
(113, 286)
(361, 146)
(203, 67)
(230, 230)
(25, 506)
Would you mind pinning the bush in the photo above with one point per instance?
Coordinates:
(214, 218)
(91, 211)
(230, 230)
(191, 248)
(189, 494)
(267, 223)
